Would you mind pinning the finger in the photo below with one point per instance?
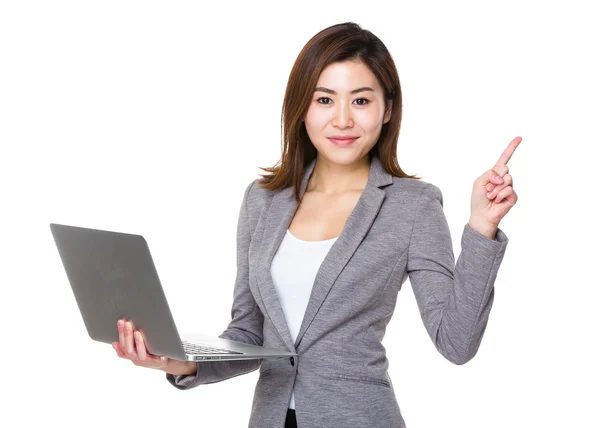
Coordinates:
(121, 328)
(119, 350)
(506, 193)
(508, 181)
(494, 177)
(487, 177)
(508, 152)
(144, 355)
(129, 339)
(140, 347)
(502, 171)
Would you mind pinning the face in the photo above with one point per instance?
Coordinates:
(348, 102)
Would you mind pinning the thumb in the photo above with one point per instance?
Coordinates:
(488, 177)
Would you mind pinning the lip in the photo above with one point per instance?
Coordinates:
(342, 140)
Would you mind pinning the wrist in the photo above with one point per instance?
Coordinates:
(181, 368)
(486, 229)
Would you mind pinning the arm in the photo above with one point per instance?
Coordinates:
(246, 319)
(454, 300)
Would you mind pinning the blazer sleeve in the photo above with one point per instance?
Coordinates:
(454, 300)
(246, 323)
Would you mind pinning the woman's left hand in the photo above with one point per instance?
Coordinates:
(493, 197)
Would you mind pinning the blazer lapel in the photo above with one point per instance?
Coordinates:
(279, 216)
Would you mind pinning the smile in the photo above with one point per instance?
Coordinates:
(343, 141)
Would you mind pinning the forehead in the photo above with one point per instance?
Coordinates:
(347, 75)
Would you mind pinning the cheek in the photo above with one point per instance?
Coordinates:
(316, 118)
(369, 120)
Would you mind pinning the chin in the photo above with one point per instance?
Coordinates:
(343, 157)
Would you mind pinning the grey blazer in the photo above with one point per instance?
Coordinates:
(396, 230)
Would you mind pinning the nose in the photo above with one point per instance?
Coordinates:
(342, 116)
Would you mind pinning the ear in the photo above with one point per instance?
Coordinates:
(388, 112)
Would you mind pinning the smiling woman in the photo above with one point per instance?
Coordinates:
(352, 114)
(327, 238)
(343, 92)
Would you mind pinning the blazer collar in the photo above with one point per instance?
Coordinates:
(278, 218)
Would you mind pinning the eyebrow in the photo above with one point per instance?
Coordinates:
(355, 91)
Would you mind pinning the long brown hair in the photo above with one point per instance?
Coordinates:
(340, 42)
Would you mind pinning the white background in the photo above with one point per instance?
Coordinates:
(131, 116)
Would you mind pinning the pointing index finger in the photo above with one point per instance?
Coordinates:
(508, 152)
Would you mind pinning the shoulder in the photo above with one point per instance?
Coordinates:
(413, 191)
(256, 197)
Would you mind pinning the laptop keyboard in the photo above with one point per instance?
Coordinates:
(196, 349)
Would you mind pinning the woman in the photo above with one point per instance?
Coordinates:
(328, 237)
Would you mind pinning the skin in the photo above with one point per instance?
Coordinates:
(493, 194)
(341, 169)
(342, 172)
(348, 100)
(132, 347)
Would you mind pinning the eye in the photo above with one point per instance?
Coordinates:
(323, 98)
(363, 102)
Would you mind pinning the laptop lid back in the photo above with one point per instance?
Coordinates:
(112, 276)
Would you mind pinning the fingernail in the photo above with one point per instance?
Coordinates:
(120, 323)
(499, 178)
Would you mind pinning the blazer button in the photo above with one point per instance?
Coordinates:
(292, 361)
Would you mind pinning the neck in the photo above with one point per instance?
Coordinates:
(333, 178)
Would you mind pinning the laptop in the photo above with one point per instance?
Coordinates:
(113, 276)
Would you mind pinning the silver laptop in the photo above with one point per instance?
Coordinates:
(113, 276)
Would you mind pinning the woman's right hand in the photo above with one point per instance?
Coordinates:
(131, 346)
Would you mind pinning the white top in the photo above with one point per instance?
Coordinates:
(293, 270)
